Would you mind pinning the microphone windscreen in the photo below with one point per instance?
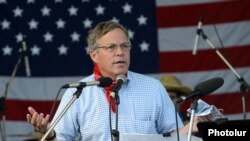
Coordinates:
(209, 86)
(105, 82)
(122, 77)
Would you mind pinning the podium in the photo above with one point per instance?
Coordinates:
(156, 137)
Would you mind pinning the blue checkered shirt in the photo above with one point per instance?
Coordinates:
(144, 108)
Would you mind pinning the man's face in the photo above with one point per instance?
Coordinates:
(112, 57)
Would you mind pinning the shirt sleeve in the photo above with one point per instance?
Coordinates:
(167, 114)
(67, 127)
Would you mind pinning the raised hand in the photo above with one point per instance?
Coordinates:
(39, 121)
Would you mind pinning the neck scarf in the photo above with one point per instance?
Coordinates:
(110, 100)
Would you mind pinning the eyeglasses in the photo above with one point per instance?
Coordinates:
(113, 47)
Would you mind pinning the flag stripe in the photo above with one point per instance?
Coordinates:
(18, 114)
(14, 128)
(231, 83)
(204, 60)
(184, 2)
(220, 101)
(182, 38)
(45, 106)
(23, 86)
(172, 16)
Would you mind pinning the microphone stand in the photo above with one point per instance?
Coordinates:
(75, 96)
(3, 98)
(176, 120)
(115, 132)
(193, 109)
(244, 86)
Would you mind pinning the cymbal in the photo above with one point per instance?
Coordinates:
(33, 135)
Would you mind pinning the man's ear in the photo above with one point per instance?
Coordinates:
(92, 54)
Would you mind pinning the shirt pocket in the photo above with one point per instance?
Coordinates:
(145, 126)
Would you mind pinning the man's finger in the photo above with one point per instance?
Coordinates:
(46, 120)
(31, 110)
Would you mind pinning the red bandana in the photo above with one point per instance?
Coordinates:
(98, 75)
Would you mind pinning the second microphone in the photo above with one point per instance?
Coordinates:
(103, 82)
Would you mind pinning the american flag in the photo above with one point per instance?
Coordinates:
(162, 34)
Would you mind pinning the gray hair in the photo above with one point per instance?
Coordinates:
(101, 29)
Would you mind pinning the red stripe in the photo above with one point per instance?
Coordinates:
(204, 60)
(213, 13)
(17, 109)
(230, 103)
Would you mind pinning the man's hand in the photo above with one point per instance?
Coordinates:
(39, 122)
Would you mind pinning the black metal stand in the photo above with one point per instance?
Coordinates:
(115, 133)
(3, 98)
(75, 96)
(176, 120)
(193, 108)
(244, 86)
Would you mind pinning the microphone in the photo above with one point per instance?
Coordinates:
(26, 59)
(121, 79)
(103, 82)
(204, 88)
(196, 41)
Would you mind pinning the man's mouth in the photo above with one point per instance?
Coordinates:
(120, 62)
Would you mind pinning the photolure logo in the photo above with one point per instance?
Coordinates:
(234, 133)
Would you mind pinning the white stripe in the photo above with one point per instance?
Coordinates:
(184, 2)
(231, 84)
(18, 130)
(46, 88)
(35, 88)
(182, 38)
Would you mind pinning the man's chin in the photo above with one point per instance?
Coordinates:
(119, 72)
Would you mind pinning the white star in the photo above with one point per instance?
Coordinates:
(73, 11)
(48, 37)
(87, 23)
(35, 50)
(45, 11)
(100, 10)
(7, 50)
(144, 46)
(58, 1)
(19, 37)
(5, 24)
(60, 23)
(142, 20)
(17, 12)
(127, 8)
(33, 24)
(75, 37)
(3, 1)
(87, 50)
(30, 1)
(131, 34)
(63, 50)
(83, 1)
(114, 19)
